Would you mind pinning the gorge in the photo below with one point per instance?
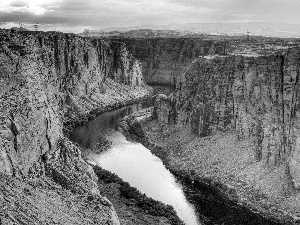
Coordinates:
(229, 127)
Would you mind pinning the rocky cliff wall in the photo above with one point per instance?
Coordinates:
(46, 79)
(257, 97)
(47, 82)
(164, 59)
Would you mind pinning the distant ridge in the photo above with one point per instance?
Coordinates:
(253, 28)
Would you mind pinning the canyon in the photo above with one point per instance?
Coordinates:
(231, 121)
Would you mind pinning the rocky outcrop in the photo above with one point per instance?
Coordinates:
(43, 201)
(47, 81)
(165, 59)
(257, 97)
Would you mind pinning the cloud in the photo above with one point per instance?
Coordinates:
(21, 6)
(266, 10)
(106, 13)
(18, 4)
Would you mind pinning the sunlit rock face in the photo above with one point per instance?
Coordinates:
(50, 78)
(257, 97)
(164, 59)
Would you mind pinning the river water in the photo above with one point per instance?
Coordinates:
(133, 162)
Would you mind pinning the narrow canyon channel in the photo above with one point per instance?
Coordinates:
(195, 203)
(133, 162)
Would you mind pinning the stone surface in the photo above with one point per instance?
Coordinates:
(257, 97)
(43, 201)
(48, 81)
(164, 59)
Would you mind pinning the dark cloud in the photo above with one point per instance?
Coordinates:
(26, 17)
(18, 4)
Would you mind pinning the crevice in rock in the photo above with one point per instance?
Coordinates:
(14, 131)
(11, 164)
(47, 135)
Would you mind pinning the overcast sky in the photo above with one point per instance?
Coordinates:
(76, 15)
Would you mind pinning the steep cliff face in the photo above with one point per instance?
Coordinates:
(165, 59)
(257, 97)
(48, 80)
(46, 77)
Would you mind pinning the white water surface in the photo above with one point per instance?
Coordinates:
(135, 164)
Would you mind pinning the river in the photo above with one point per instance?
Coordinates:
(194, 202)
(133, 162)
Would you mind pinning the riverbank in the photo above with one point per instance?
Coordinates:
(114, 96)
(131, 205)
(224, 166)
